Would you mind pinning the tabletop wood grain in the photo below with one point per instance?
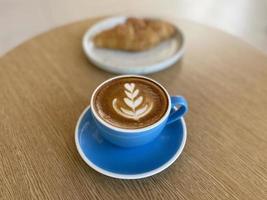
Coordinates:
(46, 82)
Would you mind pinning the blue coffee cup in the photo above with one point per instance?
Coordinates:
(177, 108)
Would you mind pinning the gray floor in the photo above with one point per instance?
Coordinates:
(23, 19)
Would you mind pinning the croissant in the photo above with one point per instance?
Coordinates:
(135, 35)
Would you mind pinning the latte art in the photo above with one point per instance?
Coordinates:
(130, 102)
(133, 101)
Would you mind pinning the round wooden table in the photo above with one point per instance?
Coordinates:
(46, 82)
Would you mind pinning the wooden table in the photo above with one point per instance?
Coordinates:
(46, 82)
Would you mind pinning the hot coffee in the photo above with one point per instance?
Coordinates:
(130, 102)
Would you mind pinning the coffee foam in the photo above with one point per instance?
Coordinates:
(130, 102)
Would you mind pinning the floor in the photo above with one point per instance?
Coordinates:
(23, 19)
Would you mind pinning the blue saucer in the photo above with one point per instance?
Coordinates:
(128, 163)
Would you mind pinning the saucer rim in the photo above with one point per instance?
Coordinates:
(128, 176)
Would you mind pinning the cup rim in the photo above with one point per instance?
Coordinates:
(99, 119)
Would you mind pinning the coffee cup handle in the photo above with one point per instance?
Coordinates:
(179, 107)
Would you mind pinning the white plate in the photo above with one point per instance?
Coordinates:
(122, 62)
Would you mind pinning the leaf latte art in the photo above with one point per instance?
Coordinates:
(130, 102)
(133, 102)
